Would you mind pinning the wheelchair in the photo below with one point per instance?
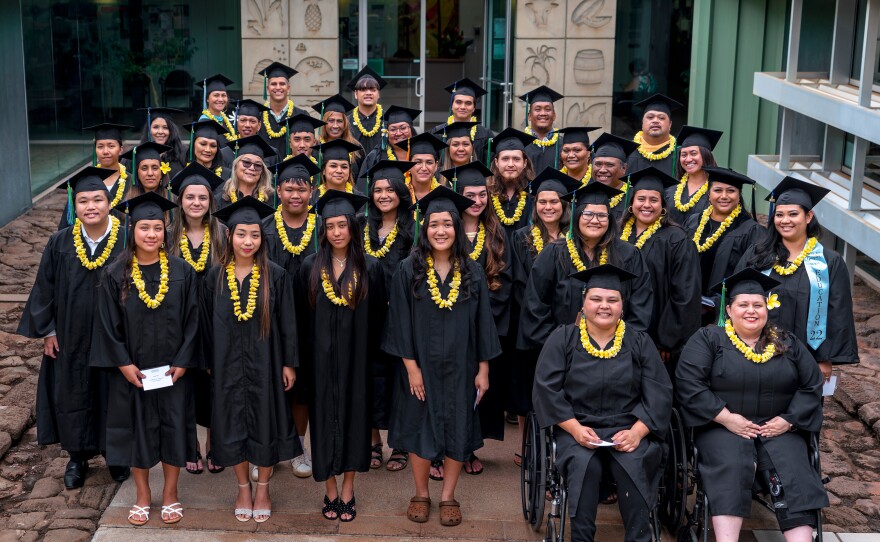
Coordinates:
(542, 486)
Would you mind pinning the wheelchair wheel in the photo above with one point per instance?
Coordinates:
(533, 472)
(557, 513)
(674, 484)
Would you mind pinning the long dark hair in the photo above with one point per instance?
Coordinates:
(404, 216)
(177, 153)
(495, 245)
(771, 250)
(708, 161)
(606, 242)
(356, 265)
(136, 187)
(537, 221)
(261, 258)
(178, 227)
(126, 258)
(460, 254)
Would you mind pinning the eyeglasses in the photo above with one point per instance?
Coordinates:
(256, 166)
(590, 215)
(395, 131)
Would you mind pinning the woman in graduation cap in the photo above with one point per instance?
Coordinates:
(148, 174)
(366, 119)
(205, 140)
(464, 95)
(752, 394)
(341, 305)
(70, 395)
(388, 236)
(198, 238)
(160, 128)
(688, 198)
(672, 261)
(279, 106)
(459, 147)
(602, 388)
(809, 273)
(334, 159)
(398, 127)
(656, 145)
(251, 344)
(609, 168)
(574, 153)
(333, 113)
(552, 297)
(215, 100)
(543, 149)
(512, 172)
(444, 332)
(250, 175)
(424, 151)
(147, 323)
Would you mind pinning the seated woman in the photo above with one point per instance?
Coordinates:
(608, 397)
(752, 392)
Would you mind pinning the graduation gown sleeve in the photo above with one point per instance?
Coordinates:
(639, 300)
(551, 405)
(398, 338)
(536, 320)
(692, 381)
(676, 280)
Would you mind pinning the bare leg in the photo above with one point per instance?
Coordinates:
(804, 533)
(347, 490)
(142, 485)
(261, 494)
(332, 492)
(420, 468)
(244, 499)
(451, 473)
(727, 528)
(301, 419)
(169, 492)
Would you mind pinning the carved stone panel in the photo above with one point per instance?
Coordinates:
(540, 18)
(314, 18)
(589, 67)
(538, 62)
(586, 111)
(317, 62)
(591, 18)
(256, 54)
(264, 19)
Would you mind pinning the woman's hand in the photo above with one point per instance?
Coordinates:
(738, 425)
(133, 375)
(775, 427)
(50, 346)
(481, 381)
(416, 384)
(824, 366)
(175, 373)
(288, 375)
(628, 440)
(586, 437)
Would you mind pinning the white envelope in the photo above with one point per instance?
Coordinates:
(156, 378)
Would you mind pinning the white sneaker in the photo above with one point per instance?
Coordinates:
(255, 473)
(302, 466)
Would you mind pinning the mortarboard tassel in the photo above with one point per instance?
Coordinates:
(125, 233)
(626, 195)
(265, 84)
(275, 182)
(488, 152)
(675, 151)
(555, 149)
(367, 208)
(170, 198)
(321, 129)
(70, 209)
(416, 225)
(134, 166)
(571, 222)
(149, 122)
(191, 139)
(235, 154)
(204, 94)
(455, 179)
(722, 303)
(95, 154)
(772, 211)
(528, 109)
(754, 196)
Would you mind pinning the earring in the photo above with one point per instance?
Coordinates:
(663, 212)
(162, 246)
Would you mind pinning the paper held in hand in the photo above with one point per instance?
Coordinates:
(156, 378)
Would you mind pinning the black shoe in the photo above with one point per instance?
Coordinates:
(119, 474)
(75, 474)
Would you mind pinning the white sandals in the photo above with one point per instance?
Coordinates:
(244, 514)
(139, 511)
(174, 512)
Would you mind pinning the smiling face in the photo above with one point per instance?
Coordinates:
(603, 308)
(593, 222)
(479, 195)
(548, 205)
(278, 88)
(159, 130)
(195, 201)
(108, 151)
(748, 314)
(294, 196)
(338, 232)
(367, 97)
(647, 206)
(247, 125)
(463, 107)
(425, 168)
(723, 197)
(460, 150)
(656, 124)
(249, 168)
(337, 173)
(574, 156)
(149, 235)
(206, 150)
(542, 115)
(301, 143)
(384, 197)
(791, 221)
(217, 101)
(399, 131)
(441, 231)
(92, 207)
(335, 125)
(510, 164)
(149, 174)
(246, 240)
(608, 170)
(691, 159)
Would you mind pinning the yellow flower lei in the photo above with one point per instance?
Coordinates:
(230, 135)
(481, 240)
(120, 190)
(549, 143)
(603, 354)
(434, 289)
(412, 192)
(517, 214)
(679, 191)
(138, 280)
(619, 197)
(199, 266)
(537, 240)
(793, 266)
(81, 249)
(233, 196)
(721, 229)
(282, 233)
(650, 155)
(576, 258)
(750, 354)
(331, 294)
(218, 170)
(252, 291)
(587, 176)
(643, 238)
(450, 119)
(386, 246)
(357, 122)
(266, 124)
(323, 188)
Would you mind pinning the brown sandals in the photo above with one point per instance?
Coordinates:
(419, 509)
(450, 513)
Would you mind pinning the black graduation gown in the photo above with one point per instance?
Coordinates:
(278, 143)
(672, 259)
(720, 260)
(606, 395)
(146, 427)
(372, 158)
(251, 417)
(367, 121)
(71, 396)
(544, 157)
(280, 255)
(680, 217)
(636, 162)
(480, 140)
(523, 254)
(840, 345)
(220, 202)
(341, 344)
(552, 298)
(713, 374)
(448, 345)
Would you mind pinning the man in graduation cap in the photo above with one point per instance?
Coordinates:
(71, 396)
(366, 119)
(464, 95)
(609, 167)
(540, 116)
(276, 90)
(302, 135)
(509, 196)
(656, 144)
(398, 123)
(215, 99)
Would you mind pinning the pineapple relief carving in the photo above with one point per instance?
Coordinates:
(313, 17)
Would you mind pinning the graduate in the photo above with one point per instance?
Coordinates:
(424, 151)
(146, 322)
(459, 147)
(71, 396)
(291, 235)
(250, 175)
(553, 297)
(366, 119)
(544, 150)
(302, 135)
(609, 168)
(279, 106)
(341, 305)
(205, 142)
(160, 128)
(444, 332)
(598, 380)
(200, 239)
(512, 172)
(463, 97)
(672, 260)
(333, 112)
(688, 198)
(656, 145)
(215, 100)
(808, 272)
(398, 128)
(148, 173)
(334, 159)
(574, 153)
(248, 115)
(247, 306)
(752, 394)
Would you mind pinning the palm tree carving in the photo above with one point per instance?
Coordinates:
(538, 63)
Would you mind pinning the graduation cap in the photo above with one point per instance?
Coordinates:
(159, 113)
(470, 174)
(108, 130)
(651, 178)
(88, 179)
(605, 276)
(440, 200)
(541, 94)
(609, 145)
(250, 108)
(466, 87)
(727, 176)
(659, 102)
(747, 281)
(425, 143)
(390, 170)
(792, 191)
(147, 206)
(337, 149)
(692, 136)
(397, 114)
(204, 128)
(145, 151)
(302, 122)
(255, 145)
(457, 129)
(194, 174)
(247, 210)
(298, 168)
(366, 78)
(335, 104)
(577, 134)
(277, 69)
(511, 139)
(593, 193)
(555, 180)
(338, 203)
(214, 83)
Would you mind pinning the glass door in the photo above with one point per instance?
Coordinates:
(496, 66)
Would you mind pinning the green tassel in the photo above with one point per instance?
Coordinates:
(488, 152)
(235, 155)
(367, 208)
(455, 179)
(722, 304)
(675, 151)
(149, 122)
(265, 83)
(125, 232)
(170, 198)
(555, 150)
(626, 195)
(134, 166)
(71, 215)
(528, 108)
(95, 154)
(571, 222)
(204, 94)
(191, 139)
(321, 129)
(315, 234)
(772, 210)
(416, 225)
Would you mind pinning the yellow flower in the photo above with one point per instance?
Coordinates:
(549, 143)
(481, 240)
(603, 354)
(793, 266)
(643, 238)
(434, 289)
(251, 306)
(282, 233)
(357, 122)
(576, 258)
(138, 280)
(537, 240)
(280, 133)
(200, 265)
(164, 167)
(651, 156)
(386, 246)
(773, 302)
(721, 229)
(517, 214)
(679, 191)
(587, 176)
(331, 293)
(81, 249)
(744, 349)
(450, 119)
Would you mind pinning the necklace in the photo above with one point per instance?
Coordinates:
(450, 119)
(587, 176)
(517, 214)
(120, 189)
(576, 258)
(340, 262)
(541, 143)
(643, 238)
(791, 268)
(268, 126)
(604, 354)
(481, 240)
(537, 240)
(252, 292)
(412, 191)
(650, 155)
(222, 120)
(721, 229)
(434, 289)
(323, 188)
(386, 246)
(233, 196)
(282, 233)
(199, 266)
(679, 191)
(81, 249)
(619, 197)
(138, 280)
(357, 122)
(331, 293)
(749, 353)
